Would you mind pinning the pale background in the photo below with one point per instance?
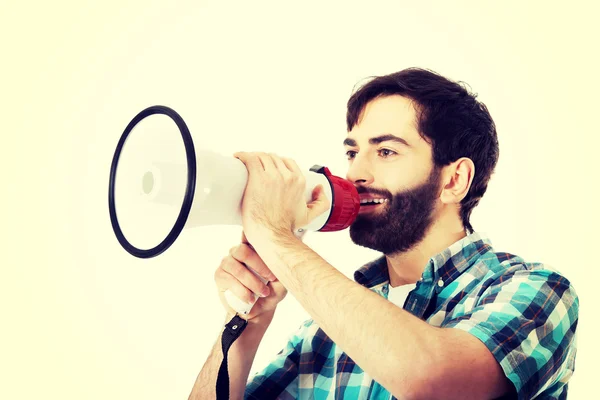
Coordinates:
(82, 319)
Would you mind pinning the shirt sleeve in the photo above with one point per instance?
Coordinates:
(527, 319)
(279, 379)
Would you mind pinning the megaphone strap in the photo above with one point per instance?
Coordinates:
(233, 330)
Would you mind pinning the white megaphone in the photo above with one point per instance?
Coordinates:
(153, 195)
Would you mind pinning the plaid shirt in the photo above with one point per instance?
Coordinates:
(525, 313)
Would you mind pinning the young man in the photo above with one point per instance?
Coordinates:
(440, 315)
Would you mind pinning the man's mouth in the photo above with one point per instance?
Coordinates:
(372, 204)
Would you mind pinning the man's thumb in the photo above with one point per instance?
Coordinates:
(319, 204)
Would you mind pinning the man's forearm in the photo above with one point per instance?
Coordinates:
(240, 358)
(377, 335)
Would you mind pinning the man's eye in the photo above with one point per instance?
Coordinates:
(350, 154)
(386, 153)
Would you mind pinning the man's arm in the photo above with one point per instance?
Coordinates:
(406, 355)
(240, 358)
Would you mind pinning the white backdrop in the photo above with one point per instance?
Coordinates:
(82, 319)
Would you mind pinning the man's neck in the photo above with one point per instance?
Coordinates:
(407, 267)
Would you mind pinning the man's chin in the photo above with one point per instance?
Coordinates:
(364, 238)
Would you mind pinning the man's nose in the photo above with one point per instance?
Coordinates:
(360, 171)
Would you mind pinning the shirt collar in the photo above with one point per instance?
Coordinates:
(447, 265)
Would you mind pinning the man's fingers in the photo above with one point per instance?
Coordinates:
(244, 253)
(271, 164)
(245, 276)
(250, 160)
(267, 162)
(226, 281)
(292, 166)
(283, 169)
(295, 171)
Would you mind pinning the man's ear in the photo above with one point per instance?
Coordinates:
(458, 178)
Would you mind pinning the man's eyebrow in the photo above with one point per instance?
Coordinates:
(376, 140)
(349, 142)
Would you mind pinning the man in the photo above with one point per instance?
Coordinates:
(440, 315)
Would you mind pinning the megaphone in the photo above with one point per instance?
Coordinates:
(159, 186)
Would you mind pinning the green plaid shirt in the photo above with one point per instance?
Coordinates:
(525, 313)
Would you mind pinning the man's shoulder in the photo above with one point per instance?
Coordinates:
(502, 264)
(495, 269)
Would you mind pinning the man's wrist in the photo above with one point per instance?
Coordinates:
(263, 319)
(255, 330)
(275, 238)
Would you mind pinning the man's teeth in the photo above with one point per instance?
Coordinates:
(378, 201)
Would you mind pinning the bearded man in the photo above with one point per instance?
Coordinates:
(441, 314)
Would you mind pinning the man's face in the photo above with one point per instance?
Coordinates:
(391, 164)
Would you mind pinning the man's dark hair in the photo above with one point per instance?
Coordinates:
(448, 117)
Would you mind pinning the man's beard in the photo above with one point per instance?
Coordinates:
(404, 220)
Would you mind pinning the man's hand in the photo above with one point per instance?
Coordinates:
(274, 202)
(234, 275)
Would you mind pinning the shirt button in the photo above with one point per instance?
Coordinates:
(441, 282)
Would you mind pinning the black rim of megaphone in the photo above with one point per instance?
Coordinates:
(189, 190)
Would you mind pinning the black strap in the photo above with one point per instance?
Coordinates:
(233, 330)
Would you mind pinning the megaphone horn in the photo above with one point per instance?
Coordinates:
(205, 190)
